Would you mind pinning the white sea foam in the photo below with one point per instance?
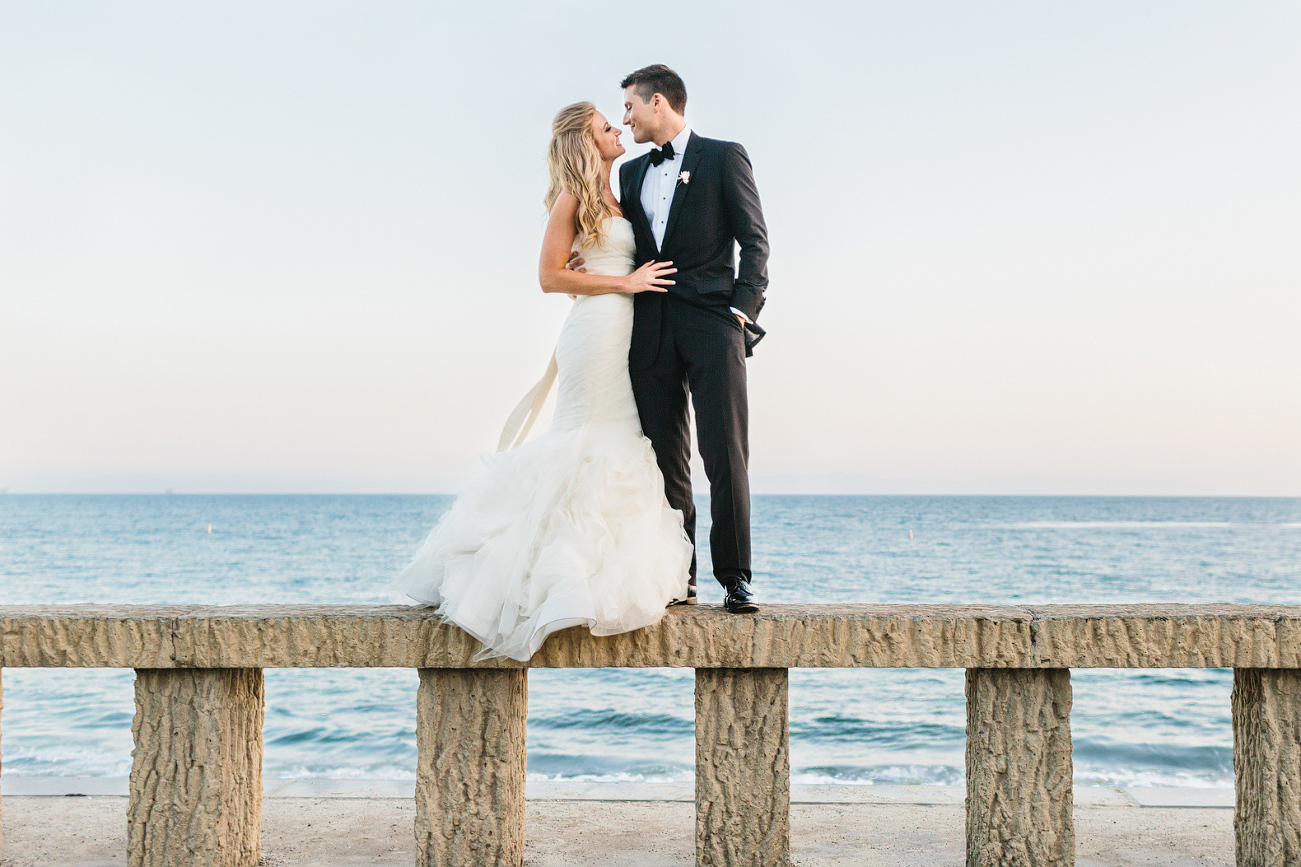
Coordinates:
(63, 761)
(385, 772)
(1139, 525)
(676, 777)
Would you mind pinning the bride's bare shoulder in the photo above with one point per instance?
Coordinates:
(565, 202)
(564, 212)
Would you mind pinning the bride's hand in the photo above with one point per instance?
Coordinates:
(651, 277)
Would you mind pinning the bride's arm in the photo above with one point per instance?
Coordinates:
(559, 240)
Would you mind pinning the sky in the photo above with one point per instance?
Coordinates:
(1017, 247)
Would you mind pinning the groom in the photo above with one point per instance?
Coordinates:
(692, 200)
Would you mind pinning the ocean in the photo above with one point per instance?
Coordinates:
(1166, 727)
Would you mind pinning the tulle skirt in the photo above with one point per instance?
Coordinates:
(570, 529)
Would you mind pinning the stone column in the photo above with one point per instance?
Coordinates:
(1267, 766)
(471, 740)
(196, 771)
(743, 784)
(1019, 795)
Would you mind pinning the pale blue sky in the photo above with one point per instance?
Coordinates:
(1017, 247)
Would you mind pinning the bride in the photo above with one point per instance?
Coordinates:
(572, 528)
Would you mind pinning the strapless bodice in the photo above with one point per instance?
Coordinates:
(619, 253)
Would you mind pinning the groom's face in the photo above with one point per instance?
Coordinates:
(639, 116)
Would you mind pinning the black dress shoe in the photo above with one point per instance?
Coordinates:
(740, 598)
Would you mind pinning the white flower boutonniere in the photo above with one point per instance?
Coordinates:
(684, 178)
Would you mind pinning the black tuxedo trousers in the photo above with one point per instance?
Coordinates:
(700, 357)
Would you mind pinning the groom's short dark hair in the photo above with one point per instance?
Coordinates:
(658, 78)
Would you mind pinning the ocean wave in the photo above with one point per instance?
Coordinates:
(63, 761)
(880, 775)
(678, 776)
(623, 722)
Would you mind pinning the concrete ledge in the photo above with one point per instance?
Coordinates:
(565, 790)
(703, 636)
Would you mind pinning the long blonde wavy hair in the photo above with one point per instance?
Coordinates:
(574, 164)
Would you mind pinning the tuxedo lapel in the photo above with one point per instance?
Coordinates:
(640, 224)
(690, 157)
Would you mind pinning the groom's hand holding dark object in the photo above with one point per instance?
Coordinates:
(753, 333)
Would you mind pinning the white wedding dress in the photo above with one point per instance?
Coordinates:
(573, 527)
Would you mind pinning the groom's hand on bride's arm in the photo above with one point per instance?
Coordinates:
(576, 263)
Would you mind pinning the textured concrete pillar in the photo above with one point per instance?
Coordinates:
(196, 770)
(1019, 796)
(743, 780)
(1267, 765)
(471, 739)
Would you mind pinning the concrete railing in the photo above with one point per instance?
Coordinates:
(196, 788)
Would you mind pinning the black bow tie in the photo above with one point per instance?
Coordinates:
(659, 155)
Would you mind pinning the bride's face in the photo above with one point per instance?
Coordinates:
(607, 137)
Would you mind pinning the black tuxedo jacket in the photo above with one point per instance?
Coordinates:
(713, 212)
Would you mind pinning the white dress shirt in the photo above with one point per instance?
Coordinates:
(657, 190)
(658, 186)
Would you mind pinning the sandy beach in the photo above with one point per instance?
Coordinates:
(1111, 828)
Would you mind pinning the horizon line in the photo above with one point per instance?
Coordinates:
(703, 494)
